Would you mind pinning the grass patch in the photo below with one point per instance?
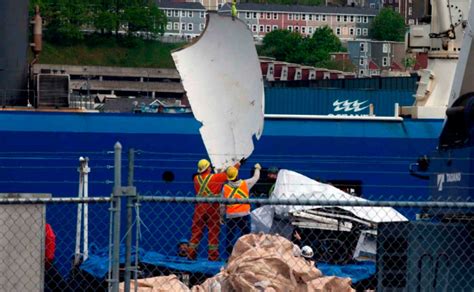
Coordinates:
(108, 51)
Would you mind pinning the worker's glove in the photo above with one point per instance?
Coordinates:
(257, 166)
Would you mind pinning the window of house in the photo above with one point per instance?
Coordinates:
(169, 13)
(338, 31)
(290, 16)
(176, 13)
(190, 26)
(268, 28)
(190, 14)
(365, 31)
(386, 48)
(202, 14)
(352, 18)
(183, 26)
(254, 28)
(372, 5)
(323, 17)
(303, 29)
(201, 26)
(362, 47)
(362, 61)
(183, 13)
(359, 19)
(338, 18)
(303, 16)
(351, 31)
(358, 31)
(297, 28)
(255, 15)
(269, 16)
(290, 28)
(275, 27)
(366, 19)
(410, 11)
(385, 61)
(275, 15)
(310, 29)
(361, 72)
(297, 17)
(261, 28)
(345, 18)
(247, 15)
(176, 25)
(169, 26)
(310, 17)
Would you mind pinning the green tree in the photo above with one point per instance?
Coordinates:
(388, 25)
(323, 42)
(292, 47)
(148, 19)
(282, 45)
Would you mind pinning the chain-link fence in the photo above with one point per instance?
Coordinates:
(318, 237)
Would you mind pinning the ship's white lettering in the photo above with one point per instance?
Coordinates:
(440, 181)
(448, 178)
(348, 106)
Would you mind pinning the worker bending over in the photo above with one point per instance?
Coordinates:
(237, 215)
(207, 184)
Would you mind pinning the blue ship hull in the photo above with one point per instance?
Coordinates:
(39, 153)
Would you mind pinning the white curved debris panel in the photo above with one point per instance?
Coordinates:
(292, 185)
(223, 81)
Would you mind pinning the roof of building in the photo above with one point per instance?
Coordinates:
(373, 66)
(374, 41)
(396, 67)
(302, 9)
(180, 5)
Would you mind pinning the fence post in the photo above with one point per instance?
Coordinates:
(115, 263)
(130, 198)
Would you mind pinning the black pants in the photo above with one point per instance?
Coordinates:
(236, 227)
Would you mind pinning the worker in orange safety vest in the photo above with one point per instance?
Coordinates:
(207, 184)
(237, 215)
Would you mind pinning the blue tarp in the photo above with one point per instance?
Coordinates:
(97, 265)
(178, 263)
(356, 272)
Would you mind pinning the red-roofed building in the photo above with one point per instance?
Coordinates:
(373, 68)
(396, 67)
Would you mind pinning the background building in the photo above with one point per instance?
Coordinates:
(185, 20)
(346, 22)
(375, 58)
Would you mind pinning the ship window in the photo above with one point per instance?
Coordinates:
(168, 176)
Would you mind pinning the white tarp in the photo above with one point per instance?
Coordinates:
(292, 185)
(223, 81)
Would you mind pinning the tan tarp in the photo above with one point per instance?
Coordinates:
(264, 262)
(259, 262)
(157, 284)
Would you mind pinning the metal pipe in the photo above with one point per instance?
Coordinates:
(308, 202)
(77, 251)
(86, 171)
(117, 194)
(128, 244)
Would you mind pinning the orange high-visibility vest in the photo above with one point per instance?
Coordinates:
(204, 190)
(240, 192)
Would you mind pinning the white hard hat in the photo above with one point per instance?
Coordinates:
(307, 252)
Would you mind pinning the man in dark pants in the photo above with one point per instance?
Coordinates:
(237, 215)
